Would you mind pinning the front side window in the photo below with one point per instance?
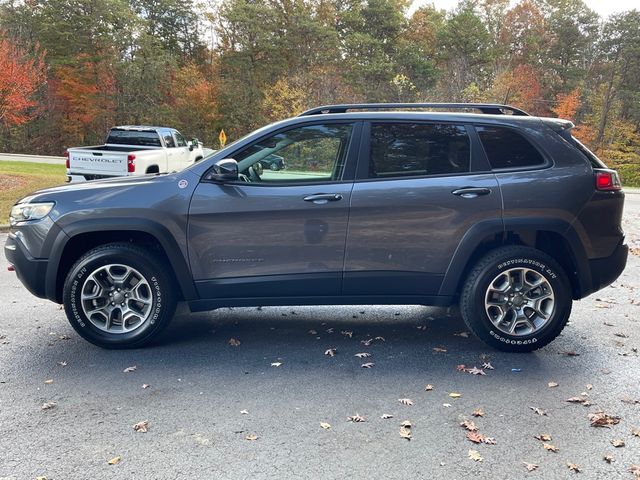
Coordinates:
(168, 140)
(313, 153)
(418, 149)
(506, 148)
(180, 141)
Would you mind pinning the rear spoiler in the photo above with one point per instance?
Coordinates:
(557, 124)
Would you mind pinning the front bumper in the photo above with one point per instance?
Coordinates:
(605, 271)
(30, 271)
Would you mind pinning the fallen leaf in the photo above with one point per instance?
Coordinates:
(609, 458)
(476, 371)
(539, 411)
(461, 368)
(406, 401)
(530, 466)
(630, 401)
(244, 412)
(405, 429)
(446, 405)
(62, 364)
(469, 425)
(462, 334)
(428, 387)
(233, 342)
(543, 437)
(589, 386)
(552, 384)
(475, 455)
(356, 418)
(362, 355)
(331, 352)
(550, 448)
(130, 369)
(367, 365)
(581, 400)
(487, 366)
(386, 416)
(114, 460)
(142, 427)
(478, 412)
(602, 419)
(48, 382)
(475, 437)
(347, 333)
(325, 425)
(367, 343)
(621, 335)
(635, 471)
(380, 339)
(455, 395)
(573, 467)
(618, 442)
(64, 337)
(440, 350)
(276, 364)
(609, 324)
(48, 405)
(329, 330)
(145, 385)
(313, 332)
(635, 432)
(251, 437)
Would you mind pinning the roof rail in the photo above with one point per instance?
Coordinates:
(486, 108)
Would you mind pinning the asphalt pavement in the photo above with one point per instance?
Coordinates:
(205, 397)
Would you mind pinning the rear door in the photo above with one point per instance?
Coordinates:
(277, 233)
(420, 187)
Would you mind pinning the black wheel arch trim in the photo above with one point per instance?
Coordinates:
(501, 227)
(179, 265)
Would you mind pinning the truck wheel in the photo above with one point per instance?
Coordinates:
(119, 296)
(516, 299)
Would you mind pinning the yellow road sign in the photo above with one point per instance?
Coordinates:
(223, 138)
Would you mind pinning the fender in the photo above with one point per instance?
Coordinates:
(500, 227)
(159, 232)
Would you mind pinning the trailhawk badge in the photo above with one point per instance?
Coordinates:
(183, 184)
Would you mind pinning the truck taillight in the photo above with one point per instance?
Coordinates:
(607, 180)
(131, 163)
(67, 162)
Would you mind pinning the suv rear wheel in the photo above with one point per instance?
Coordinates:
(119, 296)
(516, 299)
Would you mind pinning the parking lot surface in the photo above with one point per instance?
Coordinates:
(254, 410)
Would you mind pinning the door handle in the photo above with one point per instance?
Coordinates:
(322, 198)
(471, 192)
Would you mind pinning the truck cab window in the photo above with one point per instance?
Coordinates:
(180, 141)
(168, 140)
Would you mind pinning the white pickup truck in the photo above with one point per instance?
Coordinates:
(133, 150)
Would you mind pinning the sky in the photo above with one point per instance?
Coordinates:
(603, 7)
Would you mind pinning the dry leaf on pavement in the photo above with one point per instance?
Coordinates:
(440, 350)
(475, 455)
(49, 382)
(405, 429)
(114, 460)
(635, 432)
(539, 411)
(48, 405)
(487, 366)
(543, 437)
(276, 364)
(356, 418)
(244, 412)
(62, 364)
(478, 412)
(367, 365)
(234, 342)
(530, 466)
(325, 425)
(347, 333)
(552, 384)
(573, 467)
(251, 437)
(455, 395)
(602, 419)
(635, 471)
(362, 355)
(406, 401)
(145, 386)
(130, 369)
(142, 427)
(331, 352)
(608, 458)
(550, 448)
(428, 387)
(386, 416)
(618, 442)
(476, 371)
(469, 425)
(462, 334)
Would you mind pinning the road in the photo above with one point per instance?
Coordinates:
(198, 385)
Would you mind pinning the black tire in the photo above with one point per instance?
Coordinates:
(472, 300)
(161, 293)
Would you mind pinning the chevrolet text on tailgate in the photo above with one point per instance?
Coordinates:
(133, 150)
(482, 205)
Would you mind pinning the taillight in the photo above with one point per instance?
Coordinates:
(131, 163)
(607, 180)
(67, 162)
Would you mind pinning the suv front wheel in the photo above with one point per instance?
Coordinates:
(119, 296)
(516, 299)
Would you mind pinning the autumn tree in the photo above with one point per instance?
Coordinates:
(22, 75)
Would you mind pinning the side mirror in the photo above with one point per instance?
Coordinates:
(193, 144)
(225, 170)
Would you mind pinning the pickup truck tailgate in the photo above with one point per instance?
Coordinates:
(97, 162)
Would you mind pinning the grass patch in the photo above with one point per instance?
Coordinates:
(19, 179)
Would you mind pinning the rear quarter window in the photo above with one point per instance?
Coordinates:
(506, 148)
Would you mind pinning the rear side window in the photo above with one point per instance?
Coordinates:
(414, 149)
(506, 148)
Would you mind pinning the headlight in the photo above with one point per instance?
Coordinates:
(29, 211)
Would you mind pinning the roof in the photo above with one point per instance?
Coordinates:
(143, 128)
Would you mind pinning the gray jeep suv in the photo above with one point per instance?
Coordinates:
(504, 213)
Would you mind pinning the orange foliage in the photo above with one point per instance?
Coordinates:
(521, 87)
(20, 79)
(84, 93)
(567, 104)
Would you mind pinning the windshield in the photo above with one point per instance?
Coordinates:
(134, 137)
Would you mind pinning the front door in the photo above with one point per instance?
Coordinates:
(276, 233)
(420, 188)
